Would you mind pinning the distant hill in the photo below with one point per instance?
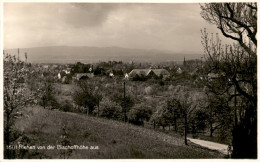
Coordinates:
(72, 54)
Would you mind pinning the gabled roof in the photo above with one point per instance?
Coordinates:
(159, 72)
(212, 75)
(144, 72)
(80, 75)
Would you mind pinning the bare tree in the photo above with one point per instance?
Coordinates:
(237, 21)
(235, 67)
(186, 104)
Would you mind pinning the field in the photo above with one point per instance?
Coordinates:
(115, 139)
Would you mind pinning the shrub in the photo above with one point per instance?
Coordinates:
(67, 107)
(86, 96)
(140, 113)
(148, 90)
(109, 109)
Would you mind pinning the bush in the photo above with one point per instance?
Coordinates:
(140, 113)
(148, 90)
(108, 109)
(86, 96)
(199, 122)
(67, 107)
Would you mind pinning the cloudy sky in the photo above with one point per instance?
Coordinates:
(172, 27)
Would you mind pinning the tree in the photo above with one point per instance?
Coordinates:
(186, 105)
(86, 96)
(198, 121)
(219, 114)
(236, 67)
(183, 102)
(140, 113)
(237, 21)
(109, 109)
(15, 97)
(46, 93)
(166, 114)
(64, 141)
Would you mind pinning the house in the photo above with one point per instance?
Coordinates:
(139, 72)
(161, 72)
(78, 76)
(54, 66)
(67, 71)
(111, 75)
(126, 76)
(59, 76)
(179, 71)
(212, 76)
(149, 73)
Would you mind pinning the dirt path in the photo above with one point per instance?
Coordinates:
(211, 145)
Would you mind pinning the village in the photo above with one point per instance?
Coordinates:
(122, 84)
(80, 71)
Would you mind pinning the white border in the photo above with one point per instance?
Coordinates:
(109, 1)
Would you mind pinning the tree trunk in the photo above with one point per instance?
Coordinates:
(43, 102)
(185, 129)
(7, 136)
(154, 124)
(86, 106)
(175, 125)
(235, 108)
(98, 109)
(211, 129)
(211, 122)
(245, 129)
(124, 104)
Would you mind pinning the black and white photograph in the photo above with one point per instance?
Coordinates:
(129, 80)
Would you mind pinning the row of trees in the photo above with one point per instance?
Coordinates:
(186, 113)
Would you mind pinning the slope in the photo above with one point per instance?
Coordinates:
(114, 139)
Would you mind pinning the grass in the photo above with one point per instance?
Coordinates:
(116, 140)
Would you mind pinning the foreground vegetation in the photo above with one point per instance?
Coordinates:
(115, 139)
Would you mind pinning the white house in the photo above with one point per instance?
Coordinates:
(59, 76)
(179, 71)
(126, 76)
(111, 74)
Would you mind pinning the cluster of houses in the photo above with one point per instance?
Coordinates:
(148, 73)
(65, 73)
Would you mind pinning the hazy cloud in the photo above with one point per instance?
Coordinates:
(174, 27)
(86, 15)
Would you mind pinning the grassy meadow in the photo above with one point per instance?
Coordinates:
(115, 139)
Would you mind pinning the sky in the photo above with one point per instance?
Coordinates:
(172, 27)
